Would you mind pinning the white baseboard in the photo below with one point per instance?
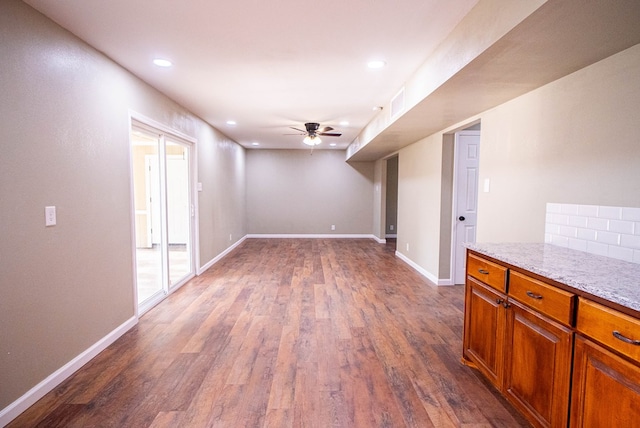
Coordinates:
(424, 272)
(220, 256)
(14, 409)
(391, 235)
(312, 236)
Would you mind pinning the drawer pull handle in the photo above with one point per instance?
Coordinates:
(484, 272)
(534, 295)
(499, 301)
(625, 339)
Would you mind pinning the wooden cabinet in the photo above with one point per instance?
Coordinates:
(559, 359)
(537, 366)
(606, 379)
(484, 329)
(606, 388)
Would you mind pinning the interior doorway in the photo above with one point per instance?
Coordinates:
(163, 212)
(465, 199)
(391, 204)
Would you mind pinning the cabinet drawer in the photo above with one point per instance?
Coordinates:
(488, 272)
(614, 329)
(546, 299)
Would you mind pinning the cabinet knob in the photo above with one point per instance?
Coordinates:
(499, 301)
(461, 218)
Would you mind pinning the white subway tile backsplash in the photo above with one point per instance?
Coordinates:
(598, 223)
(621, 226)
(569, 209)
(587, 234)
(588, 210)
(607, 231)
(578, 244)
(560, 218)
(597, 248)
(632, 214)
(578, 221)
(608, 238)
(560, 241)
(610, 212)
(630, 241)
(569, 231)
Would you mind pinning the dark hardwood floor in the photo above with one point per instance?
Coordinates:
(287, 333)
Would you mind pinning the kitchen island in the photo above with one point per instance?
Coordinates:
(557, 331)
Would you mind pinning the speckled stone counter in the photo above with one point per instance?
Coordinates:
(610, 279)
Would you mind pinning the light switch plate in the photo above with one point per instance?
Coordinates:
(50, 216)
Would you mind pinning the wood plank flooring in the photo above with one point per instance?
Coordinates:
(287, 333)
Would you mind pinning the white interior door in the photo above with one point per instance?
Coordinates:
(467, 150)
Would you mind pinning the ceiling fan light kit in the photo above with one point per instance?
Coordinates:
(312, 141)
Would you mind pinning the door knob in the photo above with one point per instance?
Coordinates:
(461, 218)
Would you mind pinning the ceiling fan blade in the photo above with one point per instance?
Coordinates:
(325, 129)
(329, 134)
(298, 129)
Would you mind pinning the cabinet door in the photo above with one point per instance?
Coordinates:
(484, 329)
(606, 388)
(537, 366)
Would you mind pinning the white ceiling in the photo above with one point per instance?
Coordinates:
(268, 65)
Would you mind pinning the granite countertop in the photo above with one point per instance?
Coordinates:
(614, 280)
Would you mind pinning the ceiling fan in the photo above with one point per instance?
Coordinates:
(313, 133)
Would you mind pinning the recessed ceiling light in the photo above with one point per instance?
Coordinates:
(344, 123)
(377, 108)
(376, 64)
(255, 144)
(231, 122)
(162, 62)
(333, 144)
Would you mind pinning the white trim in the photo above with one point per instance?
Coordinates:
(380, 240)
(391, 235)
(14, 409)
(432, 278)
(144, 120)
(311, 236)
(217, 258)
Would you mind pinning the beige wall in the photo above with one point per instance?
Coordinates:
(419, 181)
(64, 116)
(571, 141)
(294, 192)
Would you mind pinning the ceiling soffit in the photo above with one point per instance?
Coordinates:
(557, 39)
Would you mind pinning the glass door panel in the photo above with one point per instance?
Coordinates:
(148, 230)
(178, 211)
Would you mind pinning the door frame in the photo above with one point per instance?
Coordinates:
(138, 120)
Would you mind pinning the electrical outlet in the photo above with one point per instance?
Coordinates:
(333, 227)
(407, 246)
(229, 237)
(49, 216)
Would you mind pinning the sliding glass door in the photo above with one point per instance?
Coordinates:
(163, 204)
